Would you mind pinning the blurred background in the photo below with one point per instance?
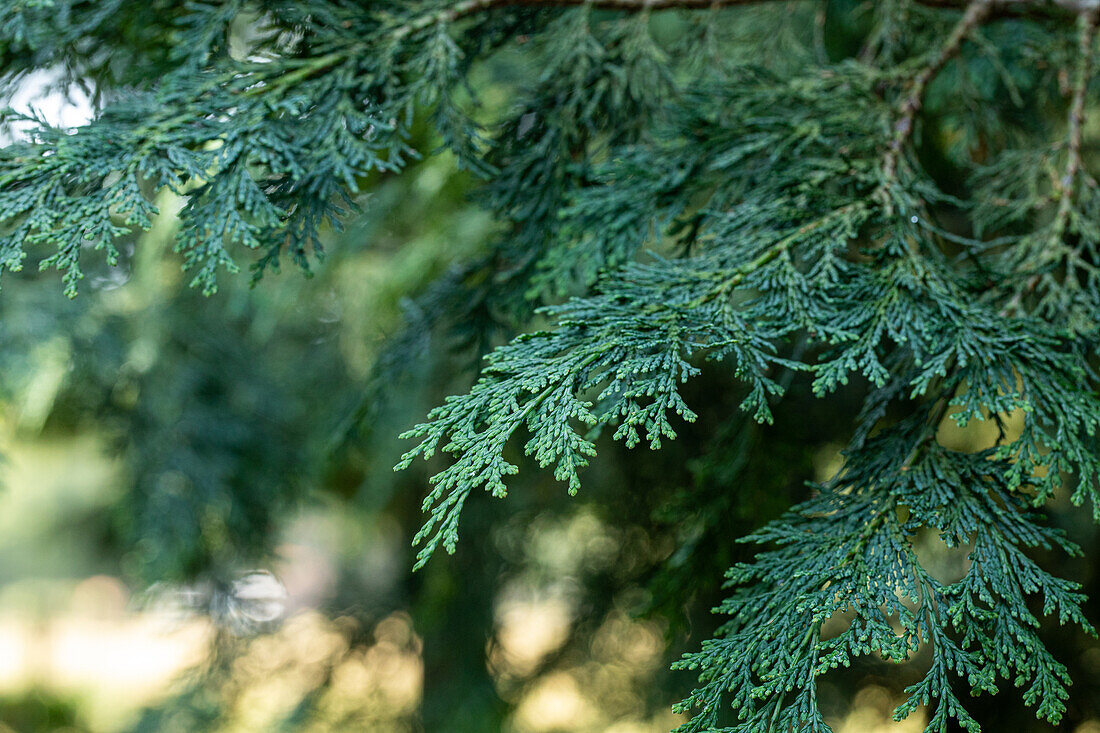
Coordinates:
(200, 529)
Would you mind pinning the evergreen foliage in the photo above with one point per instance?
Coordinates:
(887, 202)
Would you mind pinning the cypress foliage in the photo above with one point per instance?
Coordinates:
(888, 200)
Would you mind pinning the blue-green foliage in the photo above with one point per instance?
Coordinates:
(268, 149)
(630, 362)
(885, 221)
(848, 552)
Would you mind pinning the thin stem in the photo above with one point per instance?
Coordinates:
(1066, 187)
(734, 279)
(935, 417)
(820, 16)
(469, 7)
(1075, 123)
(465, 8)
(977, 12)
(1016, 7)
(1008, 6)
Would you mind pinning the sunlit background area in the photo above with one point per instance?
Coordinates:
(81, 650)
(332, 634)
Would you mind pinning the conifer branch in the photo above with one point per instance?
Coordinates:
(470, 7)
(1016, 7)
(1066, 186)
(697, 212)
(1075, 123)
(977, 12)
(1011, 6)
(735, 278)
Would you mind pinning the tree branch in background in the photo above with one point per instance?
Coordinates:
(977, 12)
(1011, 7)
(1074, 7)
(1066, 187)
(1086, 35)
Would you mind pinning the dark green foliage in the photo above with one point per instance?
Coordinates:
(36, 710)
(893, 206)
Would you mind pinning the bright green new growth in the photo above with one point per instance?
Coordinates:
(675, 190)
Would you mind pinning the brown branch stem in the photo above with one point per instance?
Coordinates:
(1076, 119)
(1069, 6)
(469, 7)
(977, 12)
(1066, 186)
